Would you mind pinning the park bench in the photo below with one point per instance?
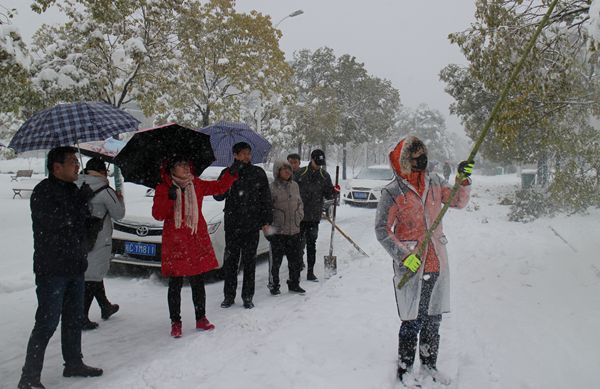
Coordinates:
(21, 174)
(24, 186)
(18, 191)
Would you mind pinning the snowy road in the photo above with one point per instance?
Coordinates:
(526, 313)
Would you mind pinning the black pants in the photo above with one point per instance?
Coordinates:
(288, 245)
(95, 289)
(309, 232)
(198, 296)
(239, 246)
(426, 327)
(59, 299)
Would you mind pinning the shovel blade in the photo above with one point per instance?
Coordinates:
(330, 266)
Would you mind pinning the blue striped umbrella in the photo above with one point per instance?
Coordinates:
(68, 124)
(223, 135)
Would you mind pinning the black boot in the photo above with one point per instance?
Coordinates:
(30, 383)
(89, 325)
(227, 303)
(310, 276)
(275, 291)
(401, 372)
(248, 304)
(109, 311)
(81, 370)
(295, 287)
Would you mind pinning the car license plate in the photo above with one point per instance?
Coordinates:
(360, 195)
(137, 248)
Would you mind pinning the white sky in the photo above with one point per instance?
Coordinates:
(404, 41)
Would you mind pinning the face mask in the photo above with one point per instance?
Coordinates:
(421, 163)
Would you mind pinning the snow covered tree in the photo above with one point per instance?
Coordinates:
(315, 116)
(556, 93)
(15, 63)
(222, 55)
(339, 102)
(367, 105)
(105, 51)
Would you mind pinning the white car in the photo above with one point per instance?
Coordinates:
(137, 237)
(365, 188)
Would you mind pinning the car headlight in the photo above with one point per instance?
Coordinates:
(213, 227)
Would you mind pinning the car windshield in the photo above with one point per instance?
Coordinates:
(375, 174)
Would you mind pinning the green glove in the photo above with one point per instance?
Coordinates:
(466, 168)
(412, 262)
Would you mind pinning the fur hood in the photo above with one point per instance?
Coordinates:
(277, 165)
(400, 156)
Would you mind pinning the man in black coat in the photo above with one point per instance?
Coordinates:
(247, 211)
(315, 185)
(59, 212)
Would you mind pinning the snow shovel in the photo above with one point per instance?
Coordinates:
(331, 260)
(353, 243)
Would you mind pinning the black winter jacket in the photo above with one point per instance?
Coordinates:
(248, 201)
(59, 213)
(315, 185)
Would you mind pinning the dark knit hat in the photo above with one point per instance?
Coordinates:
(95, 164)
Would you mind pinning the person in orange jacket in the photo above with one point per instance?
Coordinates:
(407, 208)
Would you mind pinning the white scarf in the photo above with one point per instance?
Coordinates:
(190, 203)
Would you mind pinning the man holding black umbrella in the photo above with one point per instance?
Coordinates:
(247, 210)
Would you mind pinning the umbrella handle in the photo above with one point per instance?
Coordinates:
(80, 156)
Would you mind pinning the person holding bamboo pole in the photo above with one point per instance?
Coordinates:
(405, 212)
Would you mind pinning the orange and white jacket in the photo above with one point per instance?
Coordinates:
(407, 207)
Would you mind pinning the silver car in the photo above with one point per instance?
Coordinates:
(365, 188)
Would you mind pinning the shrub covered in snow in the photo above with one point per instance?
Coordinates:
(529, 205)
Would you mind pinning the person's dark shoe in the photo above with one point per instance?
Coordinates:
(227, 303)
(310, 276)
(81, 370)
(89, 325)
(295, 288)
(275, 291)
(109, 311)
(30, 383)
(248, 304)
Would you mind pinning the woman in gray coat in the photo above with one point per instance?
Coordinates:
(284, 236)
(107, 205)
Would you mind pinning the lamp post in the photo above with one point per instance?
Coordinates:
(293, 14)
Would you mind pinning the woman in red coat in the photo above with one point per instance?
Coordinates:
(186, 247)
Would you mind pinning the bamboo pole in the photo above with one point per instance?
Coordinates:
(486, 128)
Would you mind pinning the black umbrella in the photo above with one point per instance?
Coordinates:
(142, 157)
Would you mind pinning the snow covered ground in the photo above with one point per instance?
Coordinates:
(526, 312)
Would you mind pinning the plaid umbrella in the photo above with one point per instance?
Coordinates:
(142, 157)
(223, 135)
(67, 124)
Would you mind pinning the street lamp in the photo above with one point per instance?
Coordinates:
(293, 14)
